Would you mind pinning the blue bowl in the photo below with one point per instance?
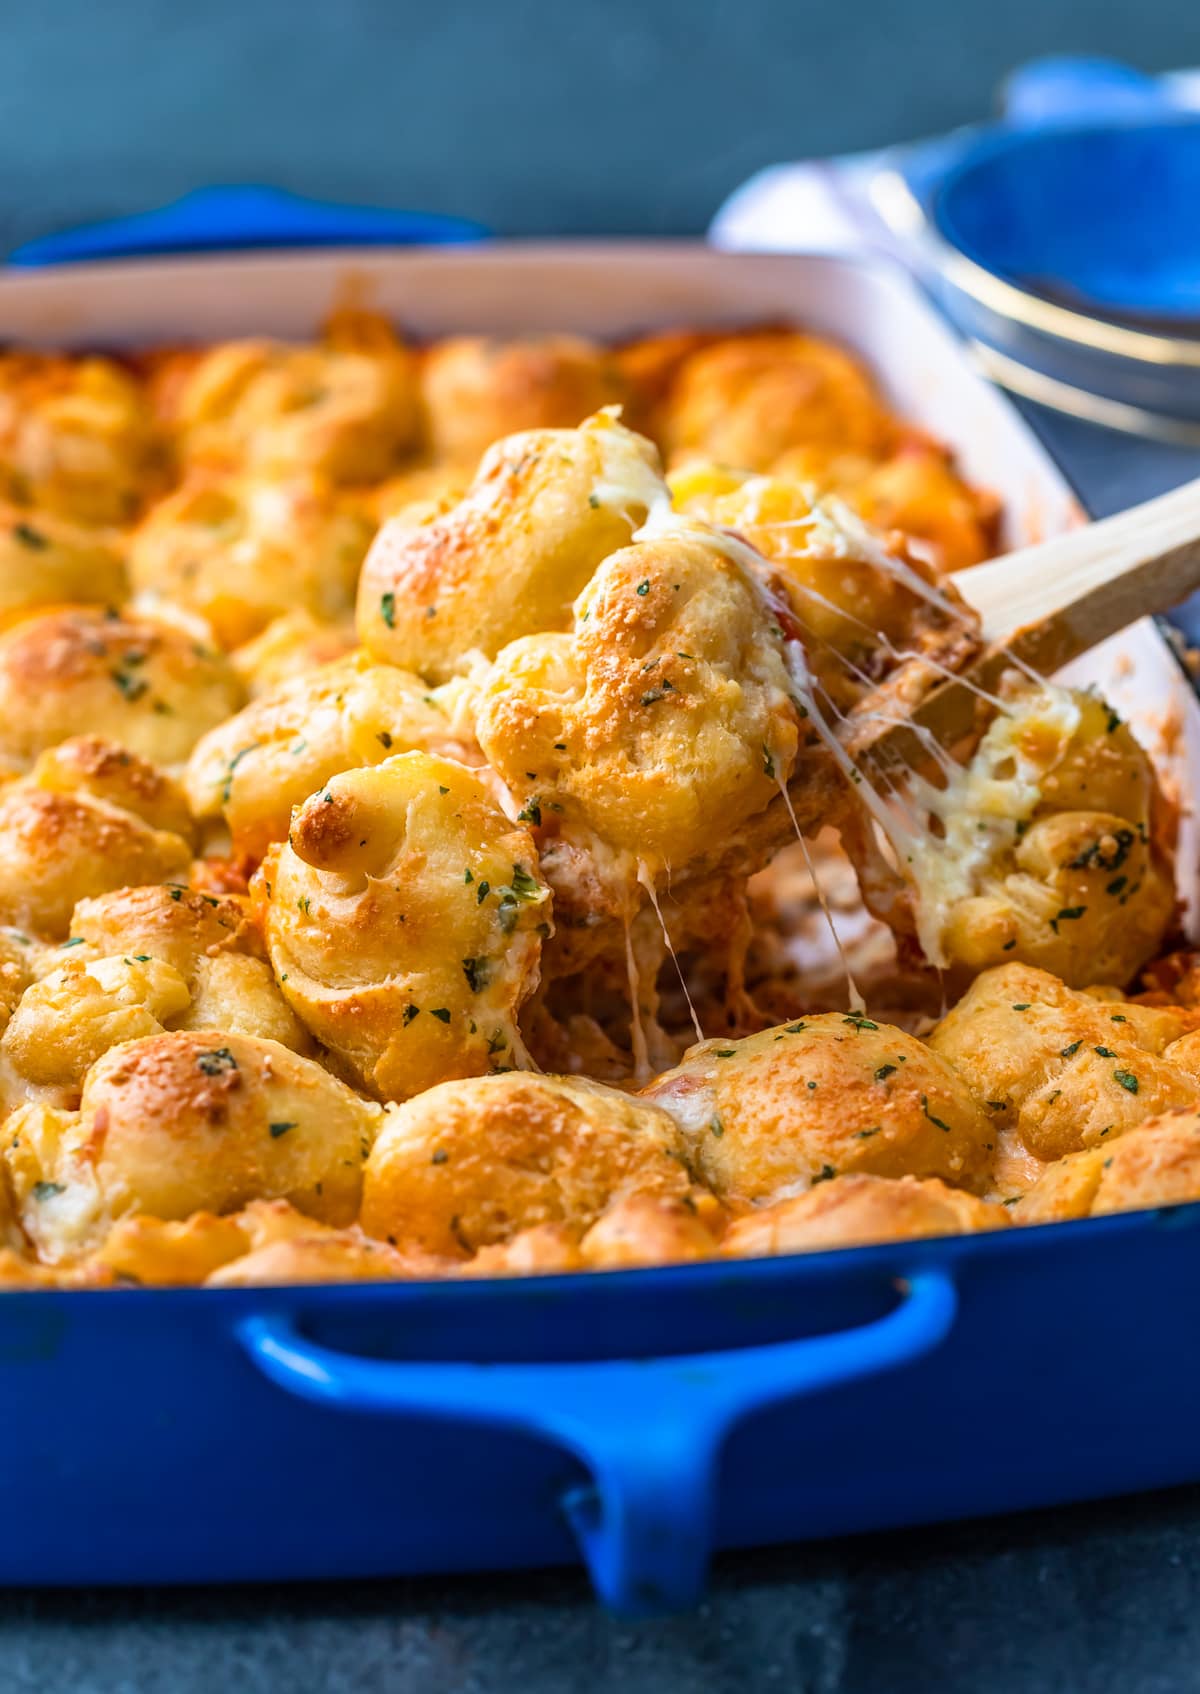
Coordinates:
(1101, 218)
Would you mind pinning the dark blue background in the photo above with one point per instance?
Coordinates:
(535, 116)
(633, 116)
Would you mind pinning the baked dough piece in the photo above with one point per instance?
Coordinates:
(140, 961)
(1051, 851)
(290, 646)
(1155, 1164)
(239, 551)
(47, 560)
(149, 685)
(346, 407)
(405, 917)
(860, 601)
(89, 817)
(76, 437)
(256, 767)
(201, 1120)
(471, 1163)
(1066, 1070)
(746, 400)
(512, 555)
(828, 1095)
(479, 388)
(665, 710)
(853, 1211)
(915, 490)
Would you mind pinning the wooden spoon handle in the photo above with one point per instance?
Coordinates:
(1068, 594)
(1045, 605)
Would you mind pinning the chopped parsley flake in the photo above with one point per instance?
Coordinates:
(1022, 1005)
(232, 766)
(30, 537)
(477, 972)
(717, 1127)
(132, 687)
(47, 1190)
(441, 1013)
(1106, 1052)
(439, 1156)
(643, 587)
(409, 1013)
(281, 1128)
(217, 1061)
(1069, 1052)
(859, 1023)
(936, 1122)
(384, 737)
(884, 1071)
(531, 812)
(1127, 1080)
(387, 609)
(768, 762)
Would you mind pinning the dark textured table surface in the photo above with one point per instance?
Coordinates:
(539, 117)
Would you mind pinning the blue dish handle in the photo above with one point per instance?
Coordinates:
(244, 217)
(648, 1431)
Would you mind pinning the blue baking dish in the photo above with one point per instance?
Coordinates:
(637, 1420)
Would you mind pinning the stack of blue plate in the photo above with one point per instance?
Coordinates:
(1065, 241)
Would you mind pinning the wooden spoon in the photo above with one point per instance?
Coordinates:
(1045, 605)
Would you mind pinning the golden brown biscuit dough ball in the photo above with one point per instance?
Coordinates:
(344, 1255)
(405, 918)
(746, 400)
(1155, 1164)
(49, 561)
(1064, 1069)
(177, 1252)
(260, 764)
(76, 437)
(62, 840)
(1050, 850)
(850, 590)
(20, 956)
(239, 551)
(147, 685)
(178, 925)
(423, 491)
(647, 1229)
(667, 709)
(290, 646)
(198, 1121)
(479, 388)
(345, 408)
(471, 1163)
(65, 1021)
(853, 1211)
(825, 1096)
(544, 1249)
(88, 765)
(544, 509)
(213, 945)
